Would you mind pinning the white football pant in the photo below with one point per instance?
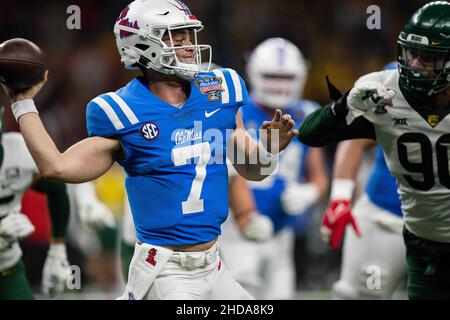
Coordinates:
(158, 273)
(266, 270)
(374, 264)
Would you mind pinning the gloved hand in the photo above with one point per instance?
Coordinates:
(258, 228)
(56, 270)
(15, 226)
(335, 219)
(366, 96)
(93, 214)
(296, 197)
(96, 215)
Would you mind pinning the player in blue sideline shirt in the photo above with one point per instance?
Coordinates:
(277, 72)
(379, 250)
(170, 130)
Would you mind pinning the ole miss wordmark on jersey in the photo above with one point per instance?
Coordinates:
(177, 180)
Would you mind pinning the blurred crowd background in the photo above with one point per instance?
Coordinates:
(84, 63)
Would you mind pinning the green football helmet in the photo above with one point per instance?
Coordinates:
(424, 50)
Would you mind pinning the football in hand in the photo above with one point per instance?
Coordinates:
(22, 64)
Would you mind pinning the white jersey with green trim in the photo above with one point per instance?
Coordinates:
(16, 172)
(16, 175)
(416, 152)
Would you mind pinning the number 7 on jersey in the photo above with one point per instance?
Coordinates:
(180, 157)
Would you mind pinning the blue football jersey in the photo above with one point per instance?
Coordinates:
(267, 193)
(381, 186)
(177, 179)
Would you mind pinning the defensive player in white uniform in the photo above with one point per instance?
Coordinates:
(18, 172)
(407, 112)
(277, 72)
(373, 256)
(170, 130)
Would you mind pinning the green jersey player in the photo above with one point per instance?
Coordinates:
(18, 172)
(407, 112)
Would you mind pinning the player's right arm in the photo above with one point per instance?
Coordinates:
(348, 157)
(84, 161)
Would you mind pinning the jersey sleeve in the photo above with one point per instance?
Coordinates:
(322, 127)
(234, 90)
(101, 120)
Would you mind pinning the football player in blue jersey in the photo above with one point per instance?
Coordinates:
(170, 130)
(277, 72)
(378, 219)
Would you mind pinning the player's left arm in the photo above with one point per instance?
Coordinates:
(58, 206)
(343, 119)
(328, 125)
(55, 272)
(252, 224)
(255, 161)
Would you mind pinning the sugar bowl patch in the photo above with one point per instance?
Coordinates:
(211, 86)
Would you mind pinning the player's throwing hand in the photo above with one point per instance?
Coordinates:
(26, 94)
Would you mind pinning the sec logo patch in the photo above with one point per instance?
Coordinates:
(150, 131)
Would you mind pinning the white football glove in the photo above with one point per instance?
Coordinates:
(258, 228)
(93, 214)
(366, 96)
(296, 197)
(96, 215)
(56, 270)
(15, 226)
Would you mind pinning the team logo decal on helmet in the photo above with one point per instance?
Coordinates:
(212, 86)
(124, 21)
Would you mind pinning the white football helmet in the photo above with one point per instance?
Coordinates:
(277, 72)
(139, 31)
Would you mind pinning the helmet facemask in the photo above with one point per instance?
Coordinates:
(185, 70)
(423, 51)
(151, 52)
(423, 71)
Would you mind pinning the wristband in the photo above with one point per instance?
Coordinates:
(22, 107)
(342, 189)
(265, 156)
